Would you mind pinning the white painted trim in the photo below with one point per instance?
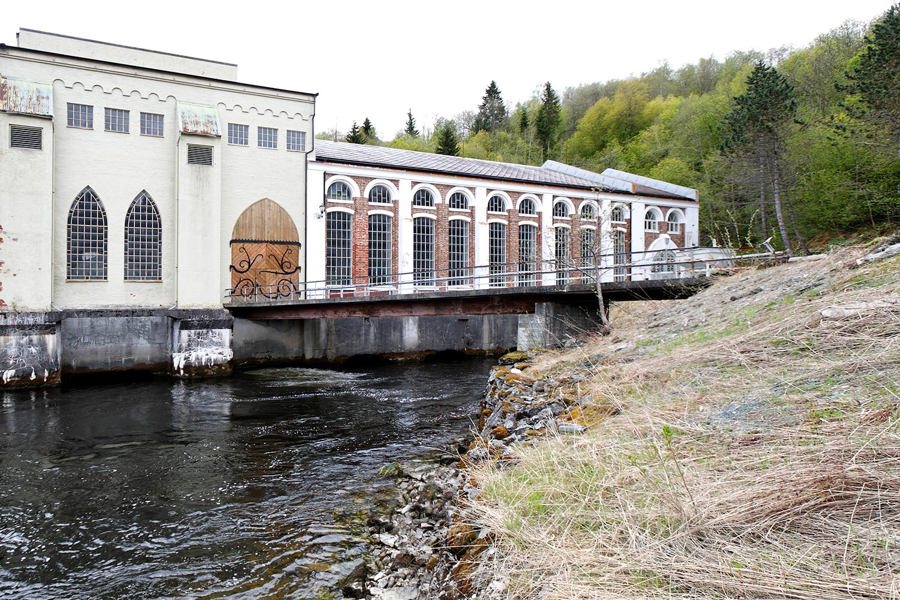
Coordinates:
(381, 212)
(394, 191)
(562, 226)
(532, 223)
(507, 201)
(459, 218)
(424, 215)
(340, 209)
(498, 220)
(676, 211)
(430, 188)
(588, 227)
(354, 188)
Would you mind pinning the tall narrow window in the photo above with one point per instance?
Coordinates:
(588, 253)
(496, 253)
(143, 241)
(458, 251)
(527, 254)
(338, 258)
(561, 248)
(86, 239)
(458, 201)
(379, 249)
(619, 255)
(423, 251)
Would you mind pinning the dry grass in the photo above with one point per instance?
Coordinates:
(757, 453)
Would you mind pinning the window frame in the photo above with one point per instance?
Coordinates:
(146, 130)
(380, 229)
(238, 134)
(266, 136)
(292, 136)
(334, 185)
(458, 256)
(565, 205)
(151, 233)
(84, 112)
(113, 117)
(87, 238)
(430, 203)
(338, 248)
(651, 220)
(454, 198)
(424, 231)
(375, 195)
(494, 200)
(532, 212)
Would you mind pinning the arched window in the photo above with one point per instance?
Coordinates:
(527, 207)
(338, 248)
(423, 197)
(379, 249)
(143, 241)
(496, 253)
(587, 212)
(86, 243)
(423, 251)
(560, 209)
(380, 194)
(339, 191)
(458, 251)
(619, 255)
(674, 222)
(527, 254)
(651, 220)
(458, 200)
(617, 215)
(664, 262)
(496, 204)
(561, 248)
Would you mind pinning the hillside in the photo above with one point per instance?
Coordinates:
(741, 443)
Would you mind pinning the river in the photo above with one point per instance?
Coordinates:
(241, 487)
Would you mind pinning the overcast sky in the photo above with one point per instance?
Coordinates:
(379, 58)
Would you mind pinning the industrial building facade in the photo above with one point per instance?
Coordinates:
(143, 192)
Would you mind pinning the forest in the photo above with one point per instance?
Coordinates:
(798, 145)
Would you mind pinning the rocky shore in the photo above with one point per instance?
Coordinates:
(425, 547)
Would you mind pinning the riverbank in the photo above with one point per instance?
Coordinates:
(741, 442)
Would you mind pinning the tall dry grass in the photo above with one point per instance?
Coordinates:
(756, 454)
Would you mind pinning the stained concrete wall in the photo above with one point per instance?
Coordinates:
(29, 350)
(335, 339)
(552, 325)
(116, 343)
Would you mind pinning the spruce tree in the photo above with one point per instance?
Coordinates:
(492, 113)
(368, 131)
(754, 132)
(355, 136)
(523, 121)
(875, 75)
(548, 119)
(447, 142)
(411, 125)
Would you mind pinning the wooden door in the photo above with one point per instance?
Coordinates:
(265, 253)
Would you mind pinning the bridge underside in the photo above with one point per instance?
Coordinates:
(499, 301)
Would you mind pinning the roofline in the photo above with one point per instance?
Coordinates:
(592, 188)
(381, 165)
(152, 70)
(81, 39)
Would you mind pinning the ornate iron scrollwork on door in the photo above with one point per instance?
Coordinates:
(266, 268)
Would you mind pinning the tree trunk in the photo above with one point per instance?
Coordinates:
(793, 217)
(763, 221)
(779, 214)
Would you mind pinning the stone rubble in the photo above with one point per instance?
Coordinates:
(424, 549)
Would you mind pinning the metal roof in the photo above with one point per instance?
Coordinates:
(654, 185)
(379, 156)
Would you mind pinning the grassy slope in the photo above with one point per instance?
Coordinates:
(756, 452)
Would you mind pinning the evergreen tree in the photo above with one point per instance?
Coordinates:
(522, 121)
(355, 136)
(411, 125)
(755, 129)
(368, 131)
(548, 119)
(492, 113)
(447, 142)
(875, 75)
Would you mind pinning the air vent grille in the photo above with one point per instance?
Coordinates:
(200, 155)
(21, 136)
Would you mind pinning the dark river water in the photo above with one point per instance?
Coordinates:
(242, 487)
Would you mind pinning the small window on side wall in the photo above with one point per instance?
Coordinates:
(267, 137)
(152, 124)
(296, 141)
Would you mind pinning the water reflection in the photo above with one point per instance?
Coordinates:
(219, 487)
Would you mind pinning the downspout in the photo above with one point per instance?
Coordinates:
(312, 148)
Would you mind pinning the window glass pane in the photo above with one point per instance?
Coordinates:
(380, 195)
(423, 197)
(496, 253)
(80, 115)
(267, 137)
(588, 252)
(526, 207)
(115, 120)
(458, 251)
(527, 254)
(458, 200)
(143, 241)
(560, 209)
(561, 248)
(339, 191)
(296, 141)
(151, 124)
(423, 251)
(496, 204)
(86, 239)
(379, 249)
(338, 248)
(238, 135)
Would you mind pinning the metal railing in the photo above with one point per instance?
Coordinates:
(679, 264)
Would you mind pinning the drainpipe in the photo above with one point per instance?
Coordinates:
(312, 147)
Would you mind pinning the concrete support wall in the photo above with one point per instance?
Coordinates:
(115, 343)
(29, 350)
(552, 325)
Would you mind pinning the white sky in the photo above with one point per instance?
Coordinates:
(378, 58)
